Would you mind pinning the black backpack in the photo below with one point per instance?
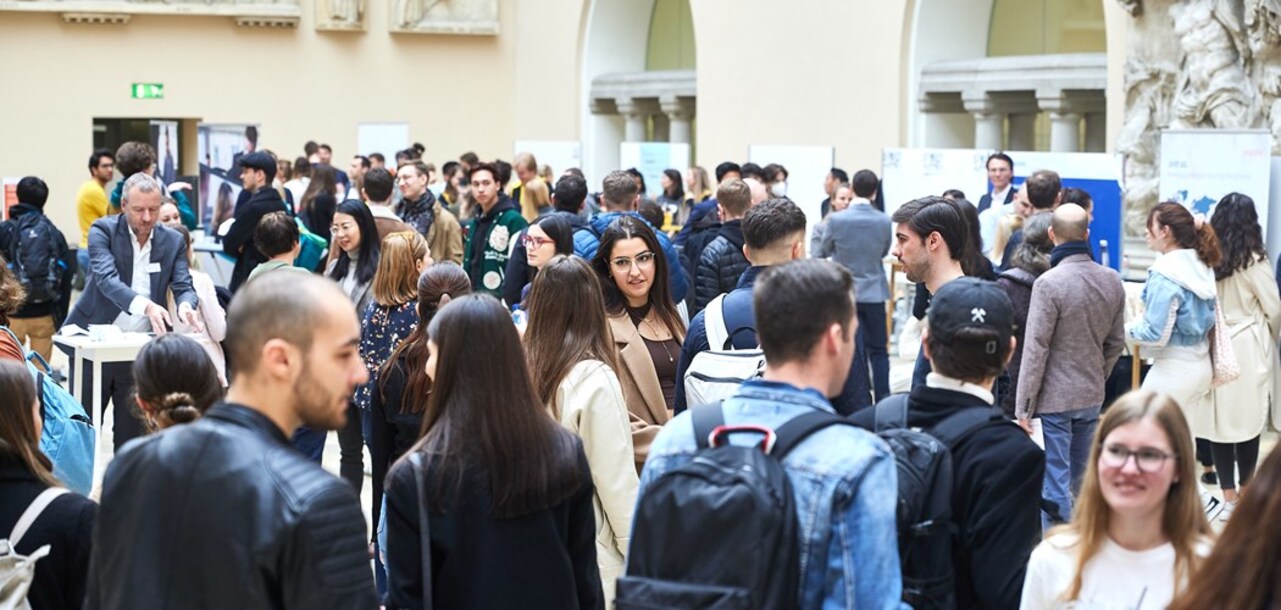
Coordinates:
(926, 531)
(35, 258)
(720, 531)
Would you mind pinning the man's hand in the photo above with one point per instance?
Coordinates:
(1026, 425)
(179, 186)
(190, 317)
(159, 319)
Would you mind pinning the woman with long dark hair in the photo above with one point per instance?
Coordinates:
(506, 490)
(1247, 292)
(647, 328)
(65, 524)
(545, 238)
(1179, 300)
(1138, 531)
(316, 209)
(1244, 570)
(399, 398)
(673, 194)
(175, 381)
(573, 361)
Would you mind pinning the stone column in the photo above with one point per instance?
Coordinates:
(1065, 120)
(661, 125)
(989, 125)
(1096, 133)
(1023, 131)
(679, 114)
(635, 116)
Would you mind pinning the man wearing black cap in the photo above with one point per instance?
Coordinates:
(997, 469)
(257, 170)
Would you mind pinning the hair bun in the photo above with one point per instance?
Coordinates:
(179, 408)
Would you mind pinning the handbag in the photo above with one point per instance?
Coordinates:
(1222, 357)
(424, 533)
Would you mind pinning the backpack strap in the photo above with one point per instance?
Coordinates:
(424, 531)
(706, 419)
(958, 426)
(791, 434)
(32, 513)
(891, 413)
(714, 323)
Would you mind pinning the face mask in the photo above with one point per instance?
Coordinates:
(778, 189)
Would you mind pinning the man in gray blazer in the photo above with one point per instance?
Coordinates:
(859, 238)
(134, 262)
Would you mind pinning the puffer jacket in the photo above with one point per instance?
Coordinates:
(720, 265)
(225, 513)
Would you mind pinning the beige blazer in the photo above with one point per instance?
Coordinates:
(640, 386)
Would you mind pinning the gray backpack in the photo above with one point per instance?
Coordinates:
(17, 571)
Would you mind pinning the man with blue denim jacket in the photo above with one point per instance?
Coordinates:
(843, 478)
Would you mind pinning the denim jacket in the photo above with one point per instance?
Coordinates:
(1180, 286)
(846, 489)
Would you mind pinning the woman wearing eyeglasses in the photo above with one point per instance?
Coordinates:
(647, 328)
(545, 238)
(1138, 532)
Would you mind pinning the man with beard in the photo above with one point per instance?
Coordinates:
(929, 240)
(223, 512)
(420, 210)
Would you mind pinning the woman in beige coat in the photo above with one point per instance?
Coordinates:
(1247, 291)
(571, 360)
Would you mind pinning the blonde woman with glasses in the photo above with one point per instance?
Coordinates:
(1139, 531)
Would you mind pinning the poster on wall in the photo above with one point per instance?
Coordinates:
(559, 155)
(220, 147)
(10, 195)
(386, 139)
(909, 174)
(806, 166)
(1200, 166)
(164, 138)
(651, 158)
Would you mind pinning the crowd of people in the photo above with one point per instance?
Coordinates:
(568, 402)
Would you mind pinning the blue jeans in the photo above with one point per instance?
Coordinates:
(1067, 451)
(871, 319)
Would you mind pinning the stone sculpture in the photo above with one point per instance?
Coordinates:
(476, 17)
(340, 14)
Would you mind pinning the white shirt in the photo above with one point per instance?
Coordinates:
(135, 318)
(998, 198)
(860, 201)
(942, 382)
(1114, 579)
(989, 222)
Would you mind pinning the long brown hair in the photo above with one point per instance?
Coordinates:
(1183, 521)
(396, 280)
(565, 325)
(1187, 231)
(485, 421)
(1244, 571)
(440, 282)
(12, 295)
(17, 426)
(323, 182)
(628, 227)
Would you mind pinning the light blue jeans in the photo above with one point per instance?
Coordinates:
(1067, 450)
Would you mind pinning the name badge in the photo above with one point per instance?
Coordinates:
(153, 268)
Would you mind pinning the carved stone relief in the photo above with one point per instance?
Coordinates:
(468, 17)
(341, 15)
(270, 13)
(1195, 64)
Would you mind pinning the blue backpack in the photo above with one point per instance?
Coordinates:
(68, 438)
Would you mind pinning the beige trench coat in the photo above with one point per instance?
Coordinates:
(1252, 310)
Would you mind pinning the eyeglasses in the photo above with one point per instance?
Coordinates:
(532, 242)
(1146, 459)
(644, 260)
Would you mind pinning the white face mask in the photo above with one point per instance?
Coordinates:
(778, 189)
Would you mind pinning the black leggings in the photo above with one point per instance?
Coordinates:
(1232, 457)
(351, 445)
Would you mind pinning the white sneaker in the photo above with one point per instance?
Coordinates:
(1228, 507)
(1212, 505)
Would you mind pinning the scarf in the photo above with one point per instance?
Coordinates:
(1070, 248)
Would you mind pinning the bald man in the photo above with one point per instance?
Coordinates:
(1077, 314)
(759, 192)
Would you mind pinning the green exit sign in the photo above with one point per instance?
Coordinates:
(148, 91)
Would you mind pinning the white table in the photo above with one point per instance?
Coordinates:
(123, 349)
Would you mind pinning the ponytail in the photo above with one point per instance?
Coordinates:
(176, 408)
(1207, 245)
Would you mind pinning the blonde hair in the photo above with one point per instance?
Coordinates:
(1183, 520)
(1004, 229)
(535, 197)
(396, 280)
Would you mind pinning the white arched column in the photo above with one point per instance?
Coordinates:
(611, 44)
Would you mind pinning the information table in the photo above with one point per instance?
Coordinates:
(120, 349)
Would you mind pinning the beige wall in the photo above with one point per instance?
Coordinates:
(456, 92)
(829, 81)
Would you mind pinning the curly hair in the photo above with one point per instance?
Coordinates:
(12, 295)
(1236, 223)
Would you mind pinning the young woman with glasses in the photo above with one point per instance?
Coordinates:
(547, 237)
(1139, 531)
(647, 328)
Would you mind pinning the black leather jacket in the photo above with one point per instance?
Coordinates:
(225, 513)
